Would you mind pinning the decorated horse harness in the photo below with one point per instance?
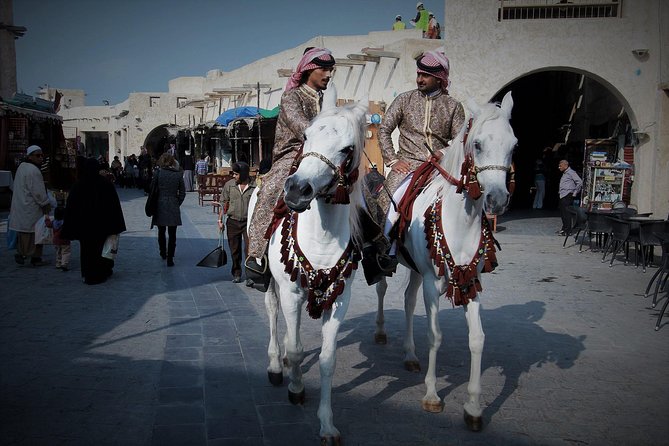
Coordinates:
(323, 285)
(463, 282)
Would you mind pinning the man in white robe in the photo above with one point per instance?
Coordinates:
(29, 202)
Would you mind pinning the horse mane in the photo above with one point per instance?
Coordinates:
(357, 122)
(455, 155)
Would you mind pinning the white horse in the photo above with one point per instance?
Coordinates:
(313, 258)
(489, 141)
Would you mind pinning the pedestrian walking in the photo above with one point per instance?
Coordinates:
(300, 103)
(188, 166)
(62, 245)
(570, 187)
(235, 200)
(171, 193)
(30, 202)
(539, 185)
(93, 213)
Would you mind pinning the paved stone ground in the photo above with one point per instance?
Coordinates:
(176, 356)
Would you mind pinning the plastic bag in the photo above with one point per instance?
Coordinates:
(110, 248)
(11, 237)
(43, 234)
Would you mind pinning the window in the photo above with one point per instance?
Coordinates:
(181, 102)
(154, 101)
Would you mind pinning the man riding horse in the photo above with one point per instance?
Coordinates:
(300, 104)
(427, 119)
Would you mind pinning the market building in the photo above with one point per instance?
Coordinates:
(580, 71)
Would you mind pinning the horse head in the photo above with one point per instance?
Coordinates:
(490, 144)
(330, 157)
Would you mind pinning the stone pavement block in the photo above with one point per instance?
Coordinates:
(248, 441)
(182, 378)
(186, 327)
(179, 435)
(297, 434)
(183, 354)
(280, 414)
(181, 395)
(173, 415)
(237, 426)
(183, 341)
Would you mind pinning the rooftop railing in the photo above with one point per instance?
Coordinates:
(558, 9)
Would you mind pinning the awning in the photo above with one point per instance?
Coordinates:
(245, 112)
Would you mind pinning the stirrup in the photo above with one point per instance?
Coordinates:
(376, 266)
(251, 264)
(258, 275)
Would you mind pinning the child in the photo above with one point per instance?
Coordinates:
(63, 249)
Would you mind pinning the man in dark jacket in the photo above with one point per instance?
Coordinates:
(235, 200)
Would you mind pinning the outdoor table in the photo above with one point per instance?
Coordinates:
(644, 219)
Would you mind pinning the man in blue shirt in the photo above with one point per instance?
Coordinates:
(570, 187)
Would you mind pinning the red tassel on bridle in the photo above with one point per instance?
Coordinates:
(511, 184)
(341, 192)
(468, 179)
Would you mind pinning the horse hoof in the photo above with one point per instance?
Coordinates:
(412, 366)
(432, 406)
(380, 339)
(275, 378)
(474, 424)
(330, 441)
(296, 398)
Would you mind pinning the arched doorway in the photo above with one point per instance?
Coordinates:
(159, 138)
(555, 111)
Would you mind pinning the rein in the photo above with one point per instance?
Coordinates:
(344, 180)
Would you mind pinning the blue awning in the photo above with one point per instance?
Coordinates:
(234, 113)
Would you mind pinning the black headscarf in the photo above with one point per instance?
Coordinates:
(93, 209)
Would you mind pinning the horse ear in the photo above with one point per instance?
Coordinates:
(330, 97)
(507, 104)
(473, 107)
(360, 109)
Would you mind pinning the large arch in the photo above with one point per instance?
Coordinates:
(157, 138)
(559, 108)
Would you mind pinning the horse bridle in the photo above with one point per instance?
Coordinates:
(478, 169)
(330, 164)
(344, 180)
(469, 171)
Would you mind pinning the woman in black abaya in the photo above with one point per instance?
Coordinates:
(93, 212)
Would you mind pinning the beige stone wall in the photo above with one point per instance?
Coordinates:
(487, 55)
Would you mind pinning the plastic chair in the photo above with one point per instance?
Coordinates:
(621, 236)
(662, 274)
(600, 226)
(579, 221)
(648, 239)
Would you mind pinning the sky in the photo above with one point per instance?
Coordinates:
(112, 48)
